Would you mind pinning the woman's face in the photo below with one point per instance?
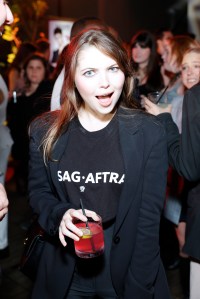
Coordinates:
(6, 16)
(98, 80)
(190, 71)
(140, 55)
(35, 71)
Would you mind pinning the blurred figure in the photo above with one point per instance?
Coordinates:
(34, 100)
(145, 61)
(5, 148)
(15, 72)
(6, 17)
(162, 38)
(43, 46)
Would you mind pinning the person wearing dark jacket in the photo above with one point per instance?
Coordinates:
(118, 156)
(184, 156)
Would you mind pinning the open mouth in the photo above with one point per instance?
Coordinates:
(105, 100)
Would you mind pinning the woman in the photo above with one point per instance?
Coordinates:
(35, 100)
(190, 75)
(172, 57)
(145, 62)
(92, 136)
(15, 72)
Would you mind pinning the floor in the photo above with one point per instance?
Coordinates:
(13, 284)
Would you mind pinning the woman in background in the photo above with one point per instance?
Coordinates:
(34, 100)
(145, 61)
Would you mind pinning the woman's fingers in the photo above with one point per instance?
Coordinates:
(67, 227)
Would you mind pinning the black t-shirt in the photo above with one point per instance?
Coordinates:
(92, 168)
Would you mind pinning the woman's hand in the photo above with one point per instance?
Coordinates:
(68, 229)
(154, 109)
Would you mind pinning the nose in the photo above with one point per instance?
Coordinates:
(189, 71)
(104, 80)
(9, 16)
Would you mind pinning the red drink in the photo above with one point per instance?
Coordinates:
(92, 242)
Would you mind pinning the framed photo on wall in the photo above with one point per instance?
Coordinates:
(59, 36)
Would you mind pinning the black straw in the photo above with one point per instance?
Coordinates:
(83, 211)
(87, 226)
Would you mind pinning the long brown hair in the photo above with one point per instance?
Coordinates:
(70, 98)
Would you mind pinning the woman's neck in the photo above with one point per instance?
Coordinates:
(31, 89)
(93, 121)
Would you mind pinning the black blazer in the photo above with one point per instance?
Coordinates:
(184, 156)
(136, 268)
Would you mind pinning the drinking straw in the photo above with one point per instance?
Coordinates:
(176, 76)
(83, 211)
(160, 97)
(87, 226)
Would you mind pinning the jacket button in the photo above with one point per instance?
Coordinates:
(116, 239)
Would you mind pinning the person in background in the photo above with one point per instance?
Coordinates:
(6, 17)
(15, 71)
(34, 100)
(172, 56)
(184, 156)
(95, 135)
(146, 65)
(162, 37)
(83, 23)
(5, 149)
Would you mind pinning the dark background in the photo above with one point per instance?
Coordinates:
(127, 16)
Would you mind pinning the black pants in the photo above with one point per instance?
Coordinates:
(92, 279)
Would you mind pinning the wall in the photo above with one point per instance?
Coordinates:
(126, 16)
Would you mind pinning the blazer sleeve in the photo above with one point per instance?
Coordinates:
(43, 198)
(145, 263)
(184, 149)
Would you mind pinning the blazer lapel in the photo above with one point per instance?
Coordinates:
(132, 146)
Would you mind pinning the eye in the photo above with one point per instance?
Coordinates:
(197, 66)
(184, 68)
(114, 69)
(89, 73)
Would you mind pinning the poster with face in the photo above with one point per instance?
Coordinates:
(59, 37)
(194, 17)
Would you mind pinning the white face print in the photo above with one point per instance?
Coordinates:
(190, 70)
(6, 16)
(99, 81)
